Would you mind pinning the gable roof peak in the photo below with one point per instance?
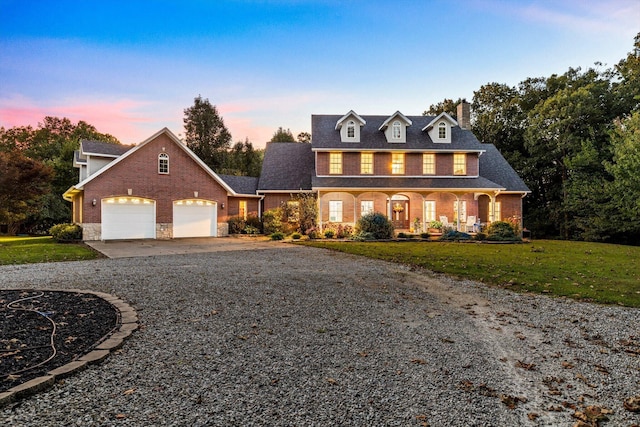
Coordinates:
(407, 121)
(353, 114)
(440, 116)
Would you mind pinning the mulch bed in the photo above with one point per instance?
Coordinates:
(81, 321)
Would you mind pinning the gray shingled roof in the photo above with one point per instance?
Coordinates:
(241, 184)
(287, 166)
(325, 136)
(106, 148)
(403, 182)
(494, 167)
(77, 158)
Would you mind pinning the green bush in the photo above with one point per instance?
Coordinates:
(425, 235)
(377, 224)
(313, 233)
(402, 235)
(454, 236)
(250, 229)
(502, 231)
(277, 236)
(296, 236)
(344, 231)
(272, 221)
(255, 222)
(364, 236)
(236, 225)
(66, 232)
(329, 234)
(480, 236)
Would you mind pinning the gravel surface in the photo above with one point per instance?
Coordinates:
(302, 336)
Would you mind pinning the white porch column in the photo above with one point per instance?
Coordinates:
(458, 213)
(320, 212)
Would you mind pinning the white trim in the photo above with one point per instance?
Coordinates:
(346, 116)
(437, 118)
(407, 121)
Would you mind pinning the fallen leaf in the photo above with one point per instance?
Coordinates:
(567, 365)
(130, 391)
(332, 381)
(532, 416)
(527, 366)
(121, 416)
(632, 404)
(419, 361)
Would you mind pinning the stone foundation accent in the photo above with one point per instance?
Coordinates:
(91, 231)
(223, 229)
(164, 231)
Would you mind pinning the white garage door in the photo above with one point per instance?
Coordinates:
(194, 218)
(128, 218)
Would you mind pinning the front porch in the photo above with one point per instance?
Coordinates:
(416, 212)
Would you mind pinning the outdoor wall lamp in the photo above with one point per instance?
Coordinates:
(93, 202)
(221, 205)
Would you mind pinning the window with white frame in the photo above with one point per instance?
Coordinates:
(429, 210)
(163, 163)
(351, 129)
(366, 163)
(335, 210)
(397, 163)
(459, 164)
(335, 163)
(442, 130)
(366, 207)
(429, 164)
(497, 215)
(396, 130)
(463, 211)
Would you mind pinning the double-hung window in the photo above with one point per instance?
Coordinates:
(351, 129)
(428, 164)
(366, 207)
(397, 163)
(335, 210)
(442, 131)
(495, 215)
(335, 163)
(366, 163)
(430, 210)
(396, 130)
(459, 164)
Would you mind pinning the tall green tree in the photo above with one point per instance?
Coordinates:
(206, 134)
(243, 160)
(282, 135)
(22, 182)
(447, 105)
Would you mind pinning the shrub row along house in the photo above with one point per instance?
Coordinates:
(415, 169)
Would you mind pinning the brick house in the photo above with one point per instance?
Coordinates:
(156, 189)
(414, 169)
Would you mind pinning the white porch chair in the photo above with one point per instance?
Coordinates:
(445, 221)
(471, 223)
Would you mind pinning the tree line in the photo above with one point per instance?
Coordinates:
(575, 141)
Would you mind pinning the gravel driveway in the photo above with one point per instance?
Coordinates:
(292, 335)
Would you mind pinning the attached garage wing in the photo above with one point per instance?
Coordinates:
(195, 218)
(128, 218)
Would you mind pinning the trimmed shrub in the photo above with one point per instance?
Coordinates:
(313, 233)
(502, 231)
(277, 236)
(66, 232)
(296, 236)
(272, 221)
(364, 236)
(377, 224)
(255, 222)
(402, 235)
(480, 236)
(425, 235)
(250, 229)
(454, 236)
(329, 234)
(344, 231)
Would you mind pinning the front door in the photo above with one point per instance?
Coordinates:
(400, 214)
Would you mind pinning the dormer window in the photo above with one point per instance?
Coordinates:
(442, 130)
(163, 163)
(351, 129)
(396, 130)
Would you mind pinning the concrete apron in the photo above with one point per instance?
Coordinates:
(141, 248)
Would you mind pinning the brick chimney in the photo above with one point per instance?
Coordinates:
(464, 115)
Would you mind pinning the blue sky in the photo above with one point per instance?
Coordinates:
(131, 67)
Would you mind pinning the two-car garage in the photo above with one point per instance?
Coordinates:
(135, 218)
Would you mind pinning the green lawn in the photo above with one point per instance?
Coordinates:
(602, 273)
(25, 250)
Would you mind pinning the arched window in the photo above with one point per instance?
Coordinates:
(396, 130)
(163, 163)
(442, 130)
(351, 129)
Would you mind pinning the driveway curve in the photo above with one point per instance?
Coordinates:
(291, 335)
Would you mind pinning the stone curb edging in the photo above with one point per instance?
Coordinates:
(128, 324)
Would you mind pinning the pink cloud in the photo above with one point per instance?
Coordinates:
(118, 118)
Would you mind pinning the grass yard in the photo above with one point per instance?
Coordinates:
(26, 250)
(602, 273)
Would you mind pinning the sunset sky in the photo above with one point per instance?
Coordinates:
(131, 67)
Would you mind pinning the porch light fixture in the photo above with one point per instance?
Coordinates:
(94, 202)
(221, 205)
